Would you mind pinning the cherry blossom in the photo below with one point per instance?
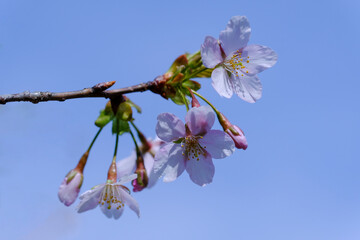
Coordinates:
(190, 146)
(235, 63)
(111, 197)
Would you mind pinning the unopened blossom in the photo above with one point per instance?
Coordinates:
(234, 132)
(236, 63)
(111, 197)
(141, 181)
(190, 146)
(70, 187)
(127, 165)
(238, 137)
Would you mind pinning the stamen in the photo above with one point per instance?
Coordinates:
(192, 148)
(110, 196)
(235, 64)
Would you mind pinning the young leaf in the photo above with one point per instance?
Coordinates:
(104, 118)
(124, 111)
(120, 126)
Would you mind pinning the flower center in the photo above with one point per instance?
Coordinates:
(192, 147)
(110, 197)
(236, 64)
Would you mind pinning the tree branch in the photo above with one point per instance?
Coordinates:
(96, 91)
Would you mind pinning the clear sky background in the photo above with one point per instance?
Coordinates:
(299, 178)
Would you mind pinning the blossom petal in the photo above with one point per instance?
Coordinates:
(248, 88)
(149, 164)
(107, 212)
(218, 144)
(126, 179)
(221, 82)
(200, 120)
(130, 201)
(112, 212)
(117, 212)
(210, 52)
(176, 164)
(160, 163)
(236, 35)
(90, 199)
(126, 166)
(201, 171)
(259, 58)
(169, 127)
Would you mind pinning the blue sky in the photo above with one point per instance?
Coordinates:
(297, 180)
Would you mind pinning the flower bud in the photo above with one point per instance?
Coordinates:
(142, 179)
(237, 136)
(234, 132)
(194, 101)
(70, 187)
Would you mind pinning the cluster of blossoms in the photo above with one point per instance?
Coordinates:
(233, 66)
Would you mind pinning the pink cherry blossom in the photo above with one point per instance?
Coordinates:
(111, 197)
(127, 165)
(190, 147)
(235, 63)
(70, 187)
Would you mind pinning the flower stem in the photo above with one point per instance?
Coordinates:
(136, 145)
(133, 124)
(93, 141)
(203, 98)
(146, 146)
(185, 101)
(117, 140)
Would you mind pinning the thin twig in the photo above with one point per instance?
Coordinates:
(96, 91)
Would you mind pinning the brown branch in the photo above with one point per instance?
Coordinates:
(96, 91)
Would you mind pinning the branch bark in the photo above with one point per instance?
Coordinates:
(99, 91)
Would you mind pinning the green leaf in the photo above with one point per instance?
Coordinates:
(132, 104)
(180, 61)
(178, 98)
(104, 118)
(192, 85)
(121, 126)
(124, 111)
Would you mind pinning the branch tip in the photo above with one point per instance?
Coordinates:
(103, 86)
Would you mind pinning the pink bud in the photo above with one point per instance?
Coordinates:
(194, 101)
(141, 181)
(137, 186)
(70, 187)
(238, 137)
